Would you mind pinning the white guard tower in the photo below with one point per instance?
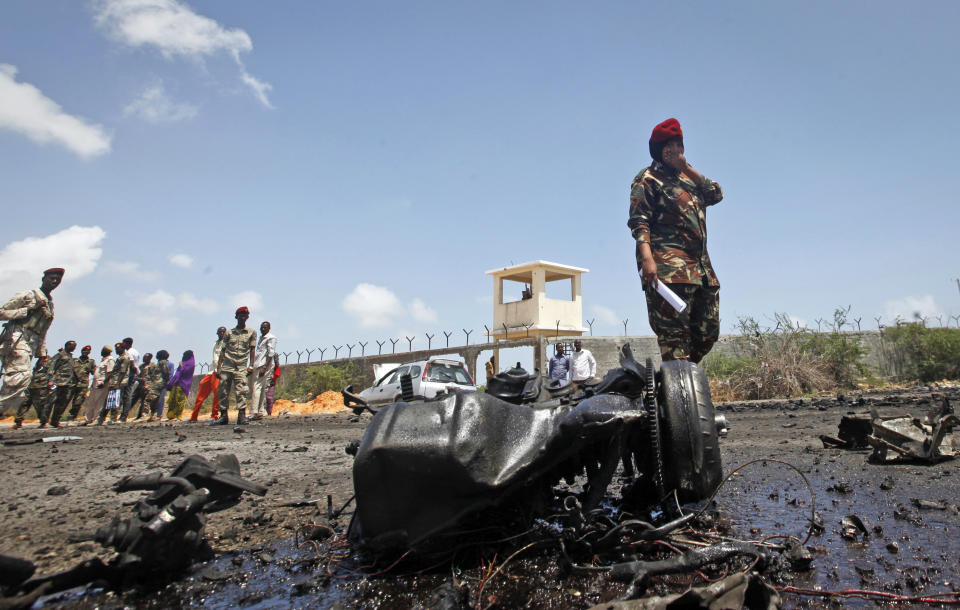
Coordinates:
(530, 313)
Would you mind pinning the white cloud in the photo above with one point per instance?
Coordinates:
(372, 306)
(181, 260)
(422, 312)
(26, 110)
(188, 301)
(912, 308)
(260, 88)
(74, 310)
(160, 325)
(175, 30)
(160, 300)
(248, 298)
(605, 315)
(76, 249)
(131, 270)
(154, 105)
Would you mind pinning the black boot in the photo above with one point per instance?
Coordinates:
(224, 419)
(242, 417)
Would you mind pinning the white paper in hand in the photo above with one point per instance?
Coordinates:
(671, 297)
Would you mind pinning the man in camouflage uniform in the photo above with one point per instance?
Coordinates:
(36, 394)
(28, 315)
(116, 382)
(63, 380)
(668, 219)
(155, 378)
(233, 367)
(84, 366)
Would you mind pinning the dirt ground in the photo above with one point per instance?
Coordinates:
(910, 549)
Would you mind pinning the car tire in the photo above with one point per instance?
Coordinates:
(691, 451)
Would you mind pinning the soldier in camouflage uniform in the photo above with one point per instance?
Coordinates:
(84, 366)
(155, 377)
(63, 380)
(140, 395)
(234, 366)
(117, 380)
(668, 219)
(28, 315)
(36, 394)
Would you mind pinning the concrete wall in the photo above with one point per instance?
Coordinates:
(606, 349)
(469, 354)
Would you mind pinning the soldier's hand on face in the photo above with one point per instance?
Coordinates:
(673, 156)
(649, 277)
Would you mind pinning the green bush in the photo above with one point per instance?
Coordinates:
(928, 354)
(305, 382)
(841, 351)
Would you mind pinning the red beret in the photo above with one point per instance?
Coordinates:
(666, 130)
(85, 347)
(243, 309)
(54, 270)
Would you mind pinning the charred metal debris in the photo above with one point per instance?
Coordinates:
(164, 535)
(930, 439)
(529, 459)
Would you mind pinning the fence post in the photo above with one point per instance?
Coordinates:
(590, 324)
(286, 357)
(466, 332)
(430, 340)
(410, 343)
(394, 345)
(299, 353)
(448, 337)
(625, 327)
(336, 351)
(321, 350)
(350, 350)
(363, 347)
(309, 351)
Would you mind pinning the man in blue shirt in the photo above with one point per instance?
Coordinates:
(559, 364)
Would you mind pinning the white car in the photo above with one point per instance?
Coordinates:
(428, 376)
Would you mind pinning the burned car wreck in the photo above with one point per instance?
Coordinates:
(427, 469)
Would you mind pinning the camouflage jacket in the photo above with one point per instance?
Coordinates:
(236, 349)
(83, 368)
(669, 212)
(120, 372)
(153, 375)
(29, 315)
(61, 369)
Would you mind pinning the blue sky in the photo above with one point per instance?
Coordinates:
(350, 170)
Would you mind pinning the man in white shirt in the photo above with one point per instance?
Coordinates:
(583, 367)
(133, 387)
(262, 360)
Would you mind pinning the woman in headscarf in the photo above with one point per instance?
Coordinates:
(179, 386)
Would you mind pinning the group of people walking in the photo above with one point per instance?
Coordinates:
(122, 382)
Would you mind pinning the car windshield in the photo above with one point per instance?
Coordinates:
(448, 373)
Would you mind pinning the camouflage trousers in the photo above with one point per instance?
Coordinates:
(233, 383)
(17, 371)
(36, 398)
(691, 334)
(79, 396)
(57, 402)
